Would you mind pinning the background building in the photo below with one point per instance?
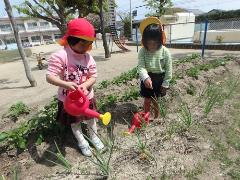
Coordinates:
(32, 32)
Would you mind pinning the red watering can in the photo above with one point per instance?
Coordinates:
(77, 103)
(137, 121)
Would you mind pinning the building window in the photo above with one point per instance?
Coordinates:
(21, 27)
(32, 25)
(36, 38)
(10, 41)
(24, 40)
(57, 36)
(44, 24)
(5, 27)
(47, 37)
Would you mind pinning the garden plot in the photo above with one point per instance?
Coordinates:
(197, 136)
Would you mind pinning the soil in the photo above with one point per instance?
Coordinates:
(185, 154)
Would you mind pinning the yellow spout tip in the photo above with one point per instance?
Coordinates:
(126, 133)
(106, 118)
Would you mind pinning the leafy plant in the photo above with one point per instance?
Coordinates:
(104, 84)
(42, 125)
(191, 90)
(193, 72)
(18, 109)
(187, 59)
(219, 39)
(125, 77)
(130, 95)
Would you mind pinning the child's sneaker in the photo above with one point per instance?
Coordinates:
(85, 149)
(97, 143)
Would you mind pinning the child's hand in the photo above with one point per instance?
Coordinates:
(148, 83)
(70, 86)
(83, 87)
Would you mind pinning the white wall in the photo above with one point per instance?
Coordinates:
(229, 36)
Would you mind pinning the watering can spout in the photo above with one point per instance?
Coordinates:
(77, 104)
(105, 118)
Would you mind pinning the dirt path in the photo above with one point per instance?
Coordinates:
(15, 87)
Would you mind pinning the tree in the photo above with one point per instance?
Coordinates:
(102, 29)
(59, 11)
(125, 18)
(19, 44)
(219, 14)
(158, 6)
(98, 7)
(54, 11)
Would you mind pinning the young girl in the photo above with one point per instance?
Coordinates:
(155, 63)
(72, 68)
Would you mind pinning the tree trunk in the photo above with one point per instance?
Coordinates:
(19, 44)
(62, 28)
(104, 38)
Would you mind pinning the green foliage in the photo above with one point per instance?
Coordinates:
(193, 72)
(62, 161)
(185, 115)
(130, 95)
(99, 159)
(104, 84)
(125, 77)
(191, 58)
(106, 101)
(214, 95)
(157, 7)
(18, 109)
(40, 126)
(122, 79)
(191, 89)
(162, 107)
(218, 14)
(219, 39)
(125, 18)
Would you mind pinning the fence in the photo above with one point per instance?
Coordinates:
(225, 31)
(218, 32)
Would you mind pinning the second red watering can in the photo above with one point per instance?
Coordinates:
(77, 103)
(138, 119)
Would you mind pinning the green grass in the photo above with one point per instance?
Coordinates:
(220, 152)
(12, 55)
(197, 170)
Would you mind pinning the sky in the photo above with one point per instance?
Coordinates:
(124, 5)
(204, 5)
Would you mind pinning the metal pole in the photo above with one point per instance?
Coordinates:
(131, 19)
(170, 35)
(137, 36)
(204, 38)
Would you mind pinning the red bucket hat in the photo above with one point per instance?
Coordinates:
(80, 28)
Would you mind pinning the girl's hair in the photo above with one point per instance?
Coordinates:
(72, 41)
(152, 32)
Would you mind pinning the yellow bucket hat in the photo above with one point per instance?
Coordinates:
(152, 20)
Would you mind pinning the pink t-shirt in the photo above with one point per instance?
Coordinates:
(71, 66)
